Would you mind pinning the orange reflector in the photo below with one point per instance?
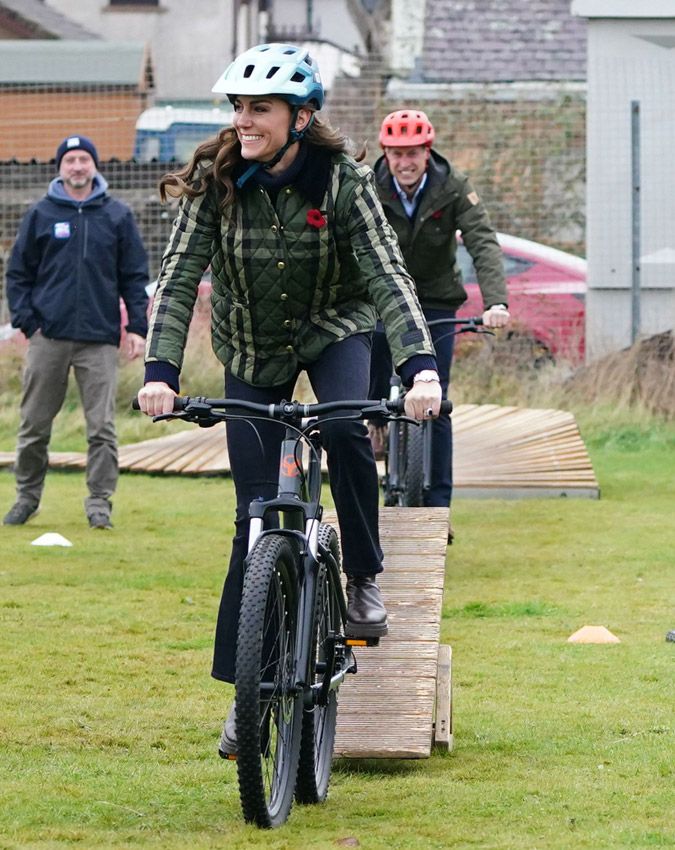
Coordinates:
(356, 642)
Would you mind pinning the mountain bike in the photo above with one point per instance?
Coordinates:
(407, 447)
(293, 652)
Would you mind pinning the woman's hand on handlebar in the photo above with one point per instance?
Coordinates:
(423, 400)
(156, 398)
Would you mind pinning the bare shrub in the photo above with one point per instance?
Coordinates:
(641, 377)
(639, 381)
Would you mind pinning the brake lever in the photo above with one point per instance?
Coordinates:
(474, 329)
(408, 419)
(164, 417)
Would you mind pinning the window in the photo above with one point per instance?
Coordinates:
(512, 265)
(133, 2)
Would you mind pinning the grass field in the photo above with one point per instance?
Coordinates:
(110, 719)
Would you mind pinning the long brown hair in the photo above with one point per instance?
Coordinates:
(215, 160)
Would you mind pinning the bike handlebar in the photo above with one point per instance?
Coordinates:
(470, 323)
(196, 408)
(458, 320)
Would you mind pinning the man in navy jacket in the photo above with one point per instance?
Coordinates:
(77, 252)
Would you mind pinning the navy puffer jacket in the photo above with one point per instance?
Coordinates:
(72, 262)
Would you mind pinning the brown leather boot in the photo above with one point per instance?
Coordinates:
(366, 614)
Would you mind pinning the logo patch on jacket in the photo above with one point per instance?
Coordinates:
(61, 229)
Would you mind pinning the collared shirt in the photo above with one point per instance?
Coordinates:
(410, 204)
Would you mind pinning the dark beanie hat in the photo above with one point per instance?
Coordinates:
(76, 143)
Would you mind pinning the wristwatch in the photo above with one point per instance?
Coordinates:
(427, 376)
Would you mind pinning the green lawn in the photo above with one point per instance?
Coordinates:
(110, 718)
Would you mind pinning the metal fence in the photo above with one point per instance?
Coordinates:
(525, 156)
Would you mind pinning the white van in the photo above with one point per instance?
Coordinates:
(166, 133)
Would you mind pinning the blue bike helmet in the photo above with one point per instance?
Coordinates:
(282, 70)
(277, 70)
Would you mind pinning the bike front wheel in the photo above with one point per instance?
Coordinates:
(320, 719)
(269, 705)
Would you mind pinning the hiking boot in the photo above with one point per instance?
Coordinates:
(366, 614)
(20, 513)
(227, 748)
(99, 519)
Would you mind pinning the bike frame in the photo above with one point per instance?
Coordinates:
(393, 483)
(298, 503)
(317, 655)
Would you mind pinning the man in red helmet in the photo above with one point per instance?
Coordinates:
(427, 201)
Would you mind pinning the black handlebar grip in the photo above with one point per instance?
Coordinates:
(399, 406)
(179, 403)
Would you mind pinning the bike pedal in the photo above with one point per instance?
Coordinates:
(366, 641)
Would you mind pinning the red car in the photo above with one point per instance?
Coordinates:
(547, 291)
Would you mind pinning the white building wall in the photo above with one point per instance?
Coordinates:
(631, 59)
(330, 19)
(407, 35)
(192, 43)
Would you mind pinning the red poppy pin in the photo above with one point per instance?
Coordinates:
(438, 214)
(315, 218)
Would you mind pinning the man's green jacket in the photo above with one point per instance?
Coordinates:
(429, 242)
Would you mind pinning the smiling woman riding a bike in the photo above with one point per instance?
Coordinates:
(302, 261)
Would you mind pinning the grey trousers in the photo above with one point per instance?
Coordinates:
(45, 381)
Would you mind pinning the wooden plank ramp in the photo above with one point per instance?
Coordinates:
(499, 452)
(387, 710)
(507, 452)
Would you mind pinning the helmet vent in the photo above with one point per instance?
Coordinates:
(275, 70)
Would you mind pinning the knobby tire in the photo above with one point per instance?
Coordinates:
(269, 718)
(319, 721)
(412, 445)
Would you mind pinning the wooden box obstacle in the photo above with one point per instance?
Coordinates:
(399, 703)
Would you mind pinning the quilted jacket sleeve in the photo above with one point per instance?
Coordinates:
(185, 259)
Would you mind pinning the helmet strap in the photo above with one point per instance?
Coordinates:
(293, 136)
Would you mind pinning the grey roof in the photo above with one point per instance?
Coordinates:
(503, 41)
(58, 62)
(45, 20)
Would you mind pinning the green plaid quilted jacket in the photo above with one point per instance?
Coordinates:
(289, 278)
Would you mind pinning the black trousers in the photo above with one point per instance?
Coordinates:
(439, 494)
(342, 372)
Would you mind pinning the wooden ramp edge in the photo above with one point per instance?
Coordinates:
(499, 452)
(398, 705)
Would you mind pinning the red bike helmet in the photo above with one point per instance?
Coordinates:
(405, 128)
